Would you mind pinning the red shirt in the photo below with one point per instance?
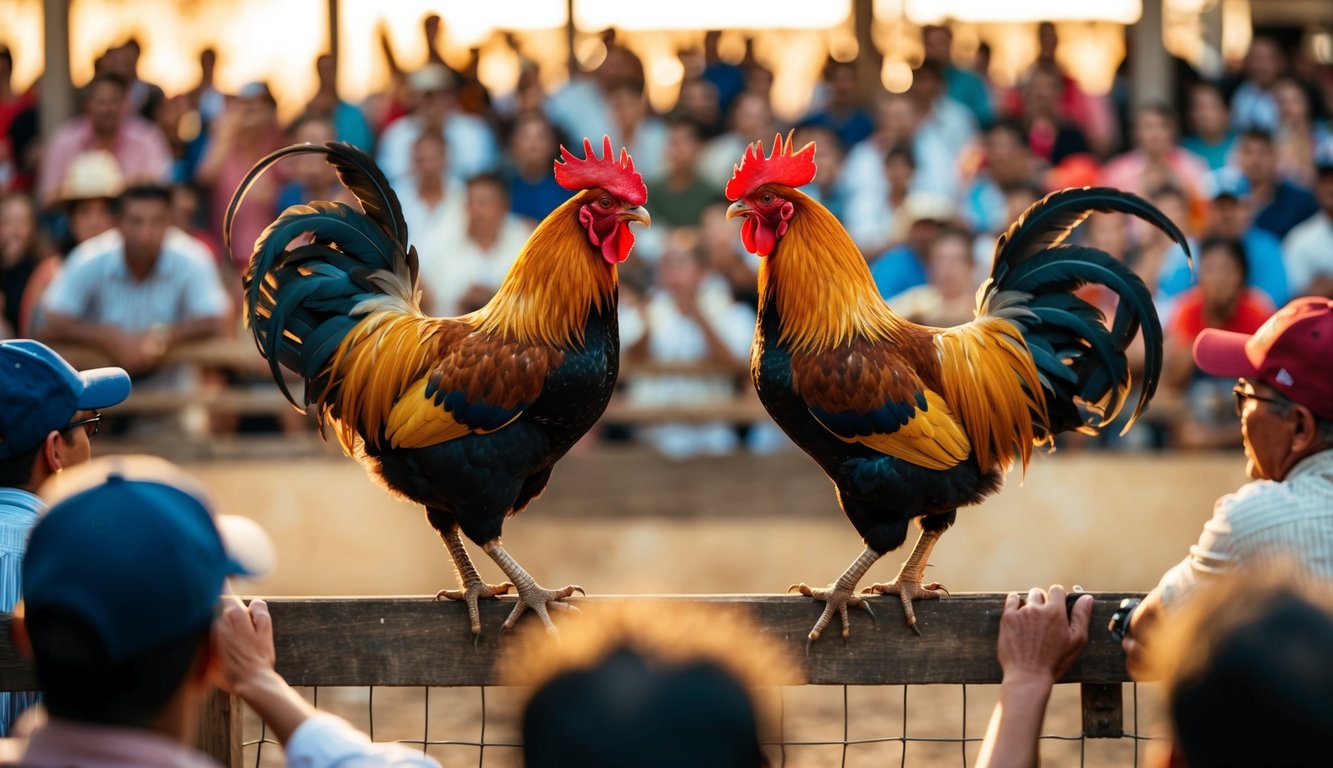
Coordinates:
(1251, 312)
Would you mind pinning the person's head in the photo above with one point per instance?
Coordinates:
(684, 144)
(1041, 96)
(1008, 156)
(937, 39)
(326, 69)
(897, 116)
(434, 90)
(256, 108)
(899, 167)
(949, 264)
(533, 144)
(1223, 273)
(842, 83)
(1293, 103)
(1230, 212)
(429, 157)
(1047, 42)
(143, 213)
(1155, 130)
(681, 268)
(208, 62)
(104, 102)
(1264, 63)
(652, 685)
(699, 100)
(928, 83)
(1285, 393)
(487, 202)
(1018, 198)
(310, 170)
(627, 105)
(1173, 203)
(18, 228)
(921, 217)
(1247, 672)
(121, 580)
(48, 411)
(1256, 156)
(1208, 114)
(752, 115)
(831, 151)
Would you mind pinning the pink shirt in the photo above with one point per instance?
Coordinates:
(139, 148)
(65, 743)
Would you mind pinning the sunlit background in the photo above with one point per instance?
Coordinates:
(281, 38)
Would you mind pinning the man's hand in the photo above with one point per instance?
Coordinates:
(1037, 640)
(245, 645)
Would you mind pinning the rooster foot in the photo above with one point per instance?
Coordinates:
(539, 599)
(907, 591)
(471, 593)
(835, 598)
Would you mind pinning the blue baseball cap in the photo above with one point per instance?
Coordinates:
(1227, 182)
(131, 547)
(40, 393)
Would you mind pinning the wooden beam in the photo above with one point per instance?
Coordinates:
(56, 93)
(571, 58)
(333, 19)
(1152, 77)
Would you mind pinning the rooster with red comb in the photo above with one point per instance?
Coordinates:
(912, 422)
(463, 415)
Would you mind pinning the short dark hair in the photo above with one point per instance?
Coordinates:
(492, 178)
(146, 191)
(16, 471)
(1012, 127)
(901, 152)
(79, 683)
(1163, 191)
(103, 78)
(1234, 248)
(1258, 134)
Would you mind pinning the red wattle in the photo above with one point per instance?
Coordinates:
(617, 245)
(765, 240)
(747, 234)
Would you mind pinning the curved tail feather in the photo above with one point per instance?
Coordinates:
(1080, 358)
(301, 302)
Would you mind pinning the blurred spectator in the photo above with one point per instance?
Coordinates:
(871, 220)
(966, 88)
(1298, 133)
(719, 239)
(1007, 161)
(1309, 246)
(750, 118)
(1050, 133)
(945, 130)
(827, 186)
(1253, 105)
(689, 317)
(186, 213)
(144, 98)
(679, 195)
(138, 290)
(1091, 118)
(349, 124)
(312, 178)
(698, 103)
(473, 97)
(1162, 263)
(433, 204)
(1222, 300)
(206, 104)
(472, 147)
(87, 195)
(533, 147)
(246, 133)
(469, 269)
(580, 108)
(432, 29)
(12, 105)
(138, 146)
(918, 223)
(843, 112)
(205, 96)
(1156, 160)
(949, 296)
(727, 78)
(528, 96)
(1211, 136)
(636, 127)
(27, 263)
(1278, 203)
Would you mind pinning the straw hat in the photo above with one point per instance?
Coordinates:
(94, 174)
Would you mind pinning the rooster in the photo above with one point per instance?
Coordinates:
(464, 415)
(912, 422)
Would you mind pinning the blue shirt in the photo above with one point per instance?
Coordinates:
(536, 200)
(967, 88)
(897, 270)
(1215, 155)
(1290, 206)
(19, 511)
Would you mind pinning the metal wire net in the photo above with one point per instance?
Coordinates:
(817, 725)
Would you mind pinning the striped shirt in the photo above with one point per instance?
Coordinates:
(96, 285)
(18, 514)
(1264, 521)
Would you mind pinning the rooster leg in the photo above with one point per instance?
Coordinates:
(907, 586)
(474, 588)
(839, 595)
(531, 595)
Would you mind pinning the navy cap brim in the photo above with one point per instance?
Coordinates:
(103, 388)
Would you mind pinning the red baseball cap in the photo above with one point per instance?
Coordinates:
(1291, 352)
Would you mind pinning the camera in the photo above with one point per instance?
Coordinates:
(1119, 625)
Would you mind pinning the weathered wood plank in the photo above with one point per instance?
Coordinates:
(220, 729)
(1103, 710)
(416, 641)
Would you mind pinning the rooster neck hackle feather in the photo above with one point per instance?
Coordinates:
(556, 281)
(821, 285)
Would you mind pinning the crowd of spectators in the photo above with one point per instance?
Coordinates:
(110, 233)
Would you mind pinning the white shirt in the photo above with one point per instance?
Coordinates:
(458, 265)
(1308, 252)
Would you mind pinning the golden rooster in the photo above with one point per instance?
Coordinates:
(912, 422)
(464, 415)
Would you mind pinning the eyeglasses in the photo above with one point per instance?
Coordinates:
(90, 425)
(1242, 396)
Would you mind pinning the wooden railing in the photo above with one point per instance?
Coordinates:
(410, 641)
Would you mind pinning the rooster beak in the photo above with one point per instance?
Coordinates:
(637, 213)
(738, 208)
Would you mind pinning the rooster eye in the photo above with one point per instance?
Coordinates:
(605, 202)
(766, 198)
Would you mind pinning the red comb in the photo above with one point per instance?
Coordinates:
(782, 166)
(615, 176)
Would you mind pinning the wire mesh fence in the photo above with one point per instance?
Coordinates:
(852, 726)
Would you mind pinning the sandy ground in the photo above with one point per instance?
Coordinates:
(623, 521)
